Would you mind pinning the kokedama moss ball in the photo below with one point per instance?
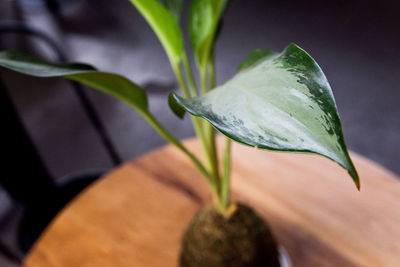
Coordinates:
(241, 240)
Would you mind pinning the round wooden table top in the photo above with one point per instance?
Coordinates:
(135, 215)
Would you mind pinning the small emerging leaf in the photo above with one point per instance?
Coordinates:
(279, 102)
(204, 24)
(110, 83)
(165, 25)
(175, 107)
(200, 25)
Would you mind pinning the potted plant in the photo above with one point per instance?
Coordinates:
(276, 101)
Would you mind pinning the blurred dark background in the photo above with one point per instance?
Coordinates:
(357, 44)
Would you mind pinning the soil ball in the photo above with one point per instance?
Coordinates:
(242, 239)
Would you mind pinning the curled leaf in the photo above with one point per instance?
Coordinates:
(175, 107)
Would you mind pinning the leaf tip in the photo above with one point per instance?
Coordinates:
(354, 175)
(358, 184)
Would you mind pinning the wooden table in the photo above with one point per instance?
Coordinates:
(135, 215)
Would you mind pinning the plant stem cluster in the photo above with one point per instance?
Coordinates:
(219, 180)
(204, 24)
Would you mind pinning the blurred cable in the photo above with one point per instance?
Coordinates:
(4, 250)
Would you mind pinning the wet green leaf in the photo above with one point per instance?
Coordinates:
(278, 102)
(110, 83)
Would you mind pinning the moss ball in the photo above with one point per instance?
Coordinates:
(241, 240)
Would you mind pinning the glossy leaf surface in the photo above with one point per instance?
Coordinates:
(110, 83)
(279, 102)
(165, 25)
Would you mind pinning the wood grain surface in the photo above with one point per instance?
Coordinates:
(135, 215)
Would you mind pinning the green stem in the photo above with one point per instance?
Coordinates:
(203, 78)
(214, 166)
(211, 71)
(189, 75)
(224, 182)
(225, 186)
(199, 126)
(197, 122)
(168, 137)
(179, 78)
(210, 132)
(199, 130)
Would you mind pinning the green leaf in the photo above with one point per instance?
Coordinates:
(200, 25)
(175, 107)
(113, 84)
(174, 6)
(30, 65)
(204, 21)
(283, 102)
(165, 25)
